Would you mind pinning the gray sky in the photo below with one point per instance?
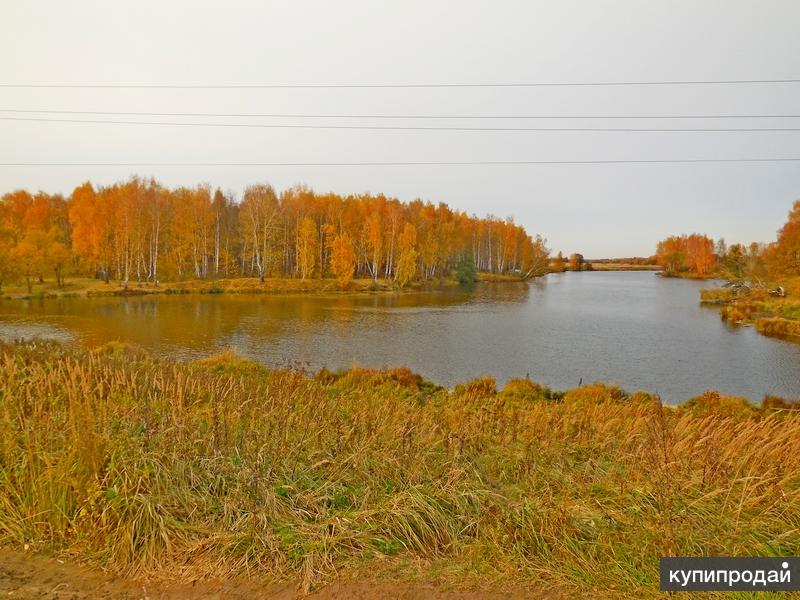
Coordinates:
(600, 210)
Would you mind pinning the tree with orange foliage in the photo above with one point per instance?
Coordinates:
(407, 261)
(785, 259)
(343, 259)
(28, 254)
(7, 266)
(671, 254)
(90, 218)
(306, 247)
(139, 230)
(374, 232)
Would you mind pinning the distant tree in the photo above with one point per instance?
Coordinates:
(57, 257)
(576, 262)
(534, 256)
(786, 260)
(407, 262)
(465, 272)
(671, 254)
(7, 263)
(138, 229)
(259, 213)
(28, 256)
(91, 218)
(343, 259)
(559, 264)
(736, 262)
(374, 231)
(306, 247)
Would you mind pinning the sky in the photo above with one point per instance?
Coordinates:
(600, 210)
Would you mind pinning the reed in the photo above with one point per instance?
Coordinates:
(224, 469)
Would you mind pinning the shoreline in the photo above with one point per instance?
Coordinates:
(93, 288)
(771, 316)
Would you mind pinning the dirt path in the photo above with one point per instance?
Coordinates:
(27, 576)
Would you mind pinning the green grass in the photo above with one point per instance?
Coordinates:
(223, 468)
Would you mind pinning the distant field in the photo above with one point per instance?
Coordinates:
(598, 266)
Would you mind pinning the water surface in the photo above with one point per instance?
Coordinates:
(630, 328)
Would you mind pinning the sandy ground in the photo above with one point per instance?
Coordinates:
(23, 575)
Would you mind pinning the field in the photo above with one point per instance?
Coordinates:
(222, 470)
(604, 266)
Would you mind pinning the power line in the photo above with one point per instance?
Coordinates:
(393, 85)
(398, 127)
(403, 163)
(385, 116)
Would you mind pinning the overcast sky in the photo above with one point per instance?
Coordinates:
(599, 210)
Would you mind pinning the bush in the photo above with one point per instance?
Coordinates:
(712, 402)
(778, 327)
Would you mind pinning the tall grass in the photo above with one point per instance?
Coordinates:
(222, 468)
(779, 327)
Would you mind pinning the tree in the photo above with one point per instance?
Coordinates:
(786, 260)
(736, 262)
(7, 263)
(91, 218)
(559, 264)
(138, 229)
(343, 259)
(57, 257)
(576, 261)
(259, 213)
(465, 273)
(306, 247)
(28, 255)
(374, 231)
(534, 256)
(407, 262)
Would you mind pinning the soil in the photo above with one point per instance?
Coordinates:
(24, 575)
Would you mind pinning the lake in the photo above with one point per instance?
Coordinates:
(631, 328)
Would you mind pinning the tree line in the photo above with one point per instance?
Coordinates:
(699, 255)
(141, 231)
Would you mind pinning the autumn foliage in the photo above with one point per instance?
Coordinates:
(140, 231)
(687, 253)
(697, 254)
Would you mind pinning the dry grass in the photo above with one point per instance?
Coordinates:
(773, 316)
(86, 287)
(598, 266)
(224, 468)
(779, 327)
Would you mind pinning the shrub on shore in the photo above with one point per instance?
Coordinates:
(200, 470)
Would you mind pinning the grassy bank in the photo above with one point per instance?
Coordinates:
(688, 275)
(86, 287)
(771, 315)
(223, 469)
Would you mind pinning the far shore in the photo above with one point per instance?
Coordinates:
(596, 266)
(85, 287)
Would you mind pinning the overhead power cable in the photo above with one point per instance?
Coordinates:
(402, 163)
(385, 116)
(397, 127)
(393, 85)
